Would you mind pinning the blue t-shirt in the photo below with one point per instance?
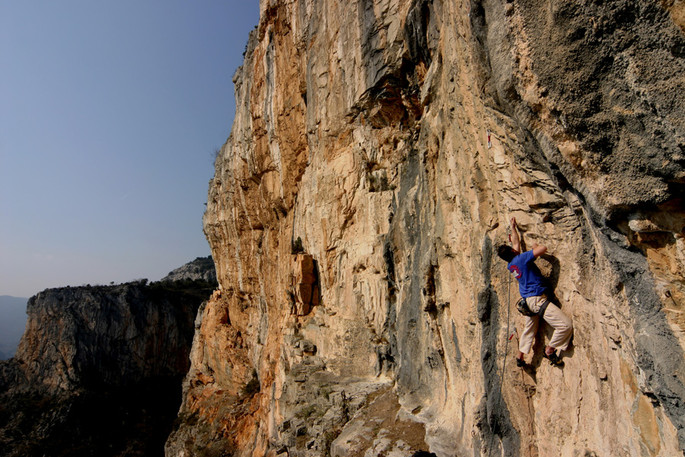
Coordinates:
(531, 282)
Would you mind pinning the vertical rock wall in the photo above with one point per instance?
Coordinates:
(392, 140)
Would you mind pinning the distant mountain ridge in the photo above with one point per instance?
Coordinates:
(12, 323)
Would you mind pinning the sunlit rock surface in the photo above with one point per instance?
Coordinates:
(395, 139)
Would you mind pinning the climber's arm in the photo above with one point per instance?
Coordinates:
(539, 249)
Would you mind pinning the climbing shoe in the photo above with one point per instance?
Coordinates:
(520, 362)
(554, 359)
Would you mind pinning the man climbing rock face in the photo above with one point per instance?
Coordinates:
(533, 290)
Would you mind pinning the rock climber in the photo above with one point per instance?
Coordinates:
(533, 290)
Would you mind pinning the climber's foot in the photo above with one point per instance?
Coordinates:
(554, 359)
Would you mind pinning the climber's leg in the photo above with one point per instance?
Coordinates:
(562, 325)
(528, 335)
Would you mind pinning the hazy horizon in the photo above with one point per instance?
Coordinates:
(110, 114)
(12, 324)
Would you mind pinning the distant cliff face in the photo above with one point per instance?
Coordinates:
(105, 335)
(379, 149)
(99, 369)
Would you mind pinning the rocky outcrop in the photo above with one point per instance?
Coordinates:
(200, 269)
(395, 139)
(304, 293)
(99, 369)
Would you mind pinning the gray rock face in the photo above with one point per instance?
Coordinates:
(395, 139)
(200, 269)
(608, 80)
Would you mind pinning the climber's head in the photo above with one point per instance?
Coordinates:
(506, 252)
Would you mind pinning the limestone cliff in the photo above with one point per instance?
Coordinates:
(98, 370)
(378, 150)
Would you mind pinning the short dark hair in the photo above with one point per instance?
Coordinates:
(506, 252)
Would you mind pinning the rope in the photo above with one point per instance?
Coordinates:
(506, 345)
(504, 360)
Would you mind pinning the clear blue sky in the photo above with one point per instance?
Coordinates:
(110, 113)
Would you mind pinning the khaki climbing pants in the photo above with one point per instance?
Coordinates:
(560, 322)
